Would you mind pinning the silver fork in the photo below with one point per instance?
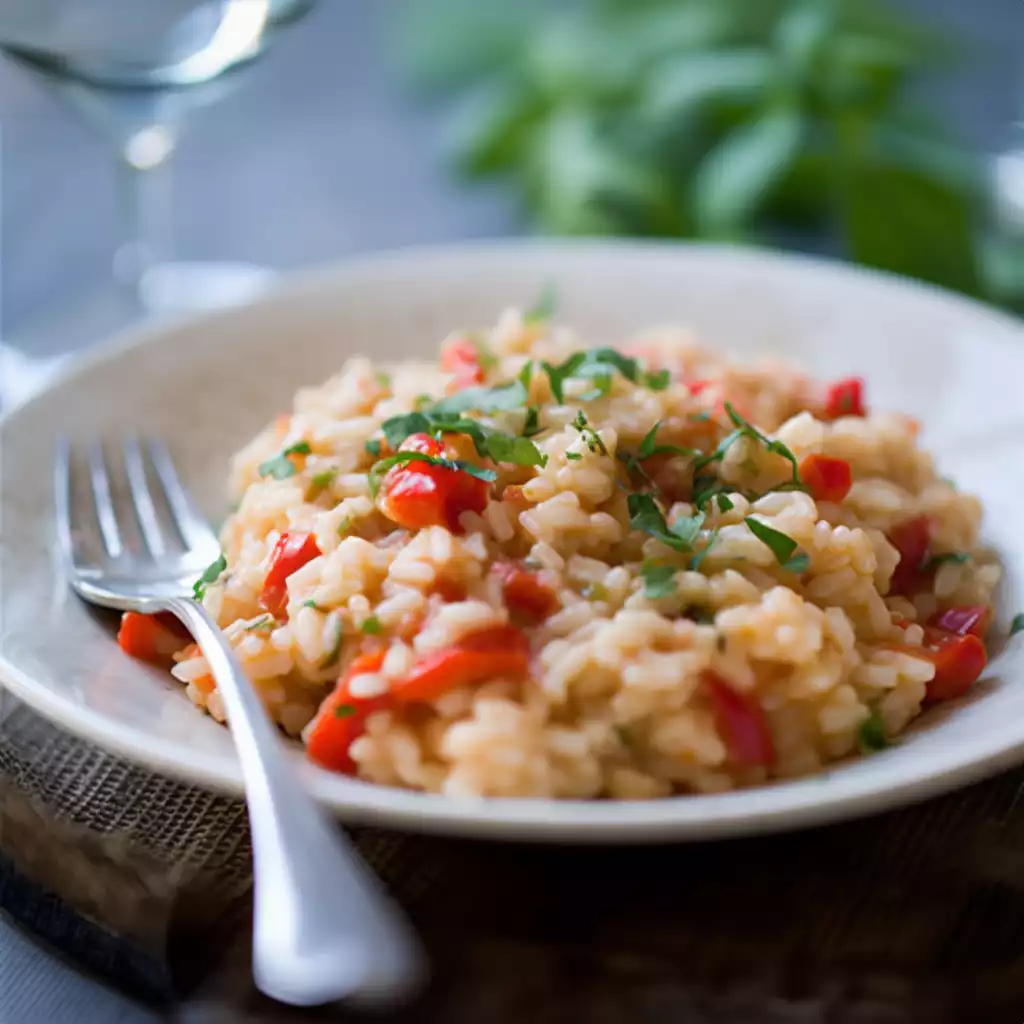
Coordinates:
(323, 928)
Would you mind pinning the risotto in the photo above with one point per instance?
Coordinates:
(534, 568)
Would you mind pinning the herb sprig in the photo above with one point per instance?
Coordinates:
(282, 466)
(210, 575)
(782, 546)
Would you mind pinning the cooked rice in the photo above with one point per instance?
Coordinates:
(615, 704)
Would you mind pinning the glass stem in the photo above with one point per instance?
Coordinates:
(144, 209)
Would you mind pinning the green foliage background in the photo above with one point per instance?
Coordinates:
(740, 120)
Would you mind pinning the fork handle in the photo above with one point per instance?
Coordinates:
(323, 927)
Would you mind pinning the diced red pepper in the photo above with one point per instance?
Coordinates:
(500, 651)
(958, 660)
(827, 479)
(420, 494)
(526, 592)
(291, 553)
(697, 386)
(740, 722)
(461, 358)
(845, 398)
(963, 620)
(912, 539)
(449, 590)
(341, 718)
(151, 637)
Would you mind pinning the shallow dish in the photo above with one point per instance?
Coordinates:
(207, 385)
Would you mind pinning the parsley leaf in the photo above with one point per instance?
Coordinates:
(379, 469)
(644, 515)
(697, 560)
(371, 626)
(280, 467)
(725, 503)
(544, 306)
(322, 480)
(519, 451)
(1017, 625)
(334, 652)
(264, 624)
(384, 379)
(589, 434)
(344, 711)
(659, 580)
(657, 380)
(373, 447)
(311, 604)
(649, 445)
(575, 456)
(532, 424)
(210, 575)
(955, 557)
(871, 734)
(497, 399)
(782, 546)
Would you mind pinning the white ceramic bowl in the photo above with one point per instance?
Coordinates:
(207, 384)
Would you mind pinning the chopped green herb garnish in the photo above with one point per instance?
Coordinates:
(782, 546)
(699, 417)
(595, 592)
(589, 434)
(644, 515)
(649, 445)
(532, 424)
(518, 451)
(422, 399)
(575, 456)
(500, 398)
(725, 503)
(597, 364)
(379, 469)
(1017, 625)
(954, 557)
(344, 526)
(280, 467)
(871, 734)
(697, 560)
(745, 429)
(311, 604)
(344, 711)
(210, 575)
(545, 305)
(264, 624)
(657, 380)
(373, 447)
(324, 479)
(659, 580)
(384, 379)
(335, 651)
(371, 626)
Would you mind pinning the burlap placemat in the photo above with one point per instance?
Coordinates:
(915, 916)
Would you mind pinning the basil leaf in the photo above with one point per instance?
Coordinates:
(783, 547)
(871, 734)
(644, 515)
(371, 626)
(659, 580)
(545, 305)
(1017, 625)
(280, 467)
(210, 575)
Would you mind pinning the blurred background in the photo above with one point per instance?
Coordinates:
(882, 131)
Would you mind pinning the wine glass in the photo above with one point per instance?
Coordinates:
(137, 69)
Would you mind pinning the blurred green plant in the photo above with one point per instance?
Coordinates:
(753, 120)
